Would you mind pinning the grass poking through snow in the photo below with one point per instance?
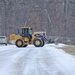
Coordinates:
(69, 49)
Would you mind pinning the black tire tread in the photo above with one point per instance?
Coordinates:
(41, 42)
(21, 41)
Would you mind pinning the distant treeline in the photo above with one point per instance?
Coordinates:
(56, 17)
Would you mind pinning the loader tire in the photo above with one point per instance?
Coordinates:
(19, 43)
(6, 44)
(25, 46)
(37, 42)
(43, 43)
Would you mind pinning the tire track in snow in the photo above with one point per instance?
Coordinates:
(38, 63)
(31, 64)
(19, 62)
(41, 63)
(5, 55)
(45, 62)
(63, 63)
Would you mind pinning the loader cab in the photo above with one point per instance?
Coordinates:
(26, 32)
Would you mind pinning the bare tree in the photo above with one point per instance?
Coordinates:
(57, 17)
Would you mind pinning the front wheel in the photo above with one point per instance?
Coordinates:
(37, 42)
(43, 43)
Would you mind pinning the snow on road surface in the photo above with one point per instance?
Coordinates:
(45, 60)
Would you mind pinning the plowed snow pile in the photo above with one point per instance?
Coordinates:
(45, 60)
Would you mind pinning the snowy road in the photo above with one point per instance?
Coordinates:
(45, 60)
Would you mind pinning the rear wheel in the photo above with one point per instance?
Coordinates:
(6, 44)
(43, 43)
(25, 46)
(19, 43)
(37, 42)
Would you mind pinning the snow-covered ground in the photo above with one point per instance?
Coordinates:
(47, 60)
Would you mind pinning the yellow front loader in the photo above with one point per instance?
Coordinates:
(25, 37)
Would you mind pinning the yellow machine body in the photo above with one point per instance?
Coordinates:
(14, 37)
(25, 37)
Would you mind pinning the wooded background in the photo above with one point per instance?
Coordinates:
(56, 17)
